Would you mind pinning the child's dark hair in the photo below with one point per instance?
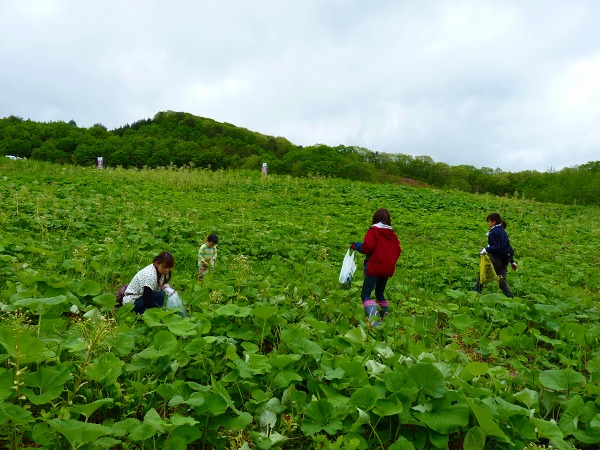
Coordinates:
(166, 259)
(213, 238)
(382, 215)
(495, 217)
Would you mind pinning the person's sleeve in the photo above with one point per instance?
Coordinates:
(369, 242)
(147, 296)
(496, 242)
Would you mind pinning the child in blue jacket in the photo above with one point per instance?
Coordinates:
(500, 252)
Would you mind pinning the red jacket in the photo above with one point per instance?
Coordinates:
(382, 247)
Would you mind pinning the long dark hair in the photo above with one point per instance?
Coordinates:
(382, 215)
(166, 259)
(495, 217)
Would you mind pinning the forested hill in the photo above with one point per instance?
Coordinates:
(182, 139)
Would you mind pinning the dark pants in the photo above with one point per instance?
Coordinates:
(501, 272)
(156, 300)
(373, 282)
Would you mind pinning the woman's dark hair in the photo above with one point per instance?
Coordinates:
(495, 217)
(166, 259)
(213, 238)
(382, 215)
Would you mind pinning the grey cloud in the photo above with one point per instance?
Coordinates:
(498, 84)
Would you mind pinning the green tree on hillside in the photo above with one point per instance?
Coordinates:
(184, 139)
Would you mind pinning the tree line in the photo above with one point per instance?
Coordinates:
(184, 140)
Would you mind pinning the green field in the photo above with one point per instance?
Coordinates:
(274, 353)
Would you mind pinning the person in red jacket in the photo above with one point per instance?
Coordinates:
(382, 247)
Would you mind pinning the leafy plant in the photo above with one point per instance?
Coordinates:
(274, 354)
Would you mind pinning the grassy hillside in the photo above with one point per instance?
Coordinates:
(183, 140)
(274, 353)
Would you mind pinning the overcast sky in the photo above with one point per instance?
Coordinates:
(504, 84)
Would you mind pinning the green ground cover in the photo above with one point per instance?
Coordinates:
(274, 353)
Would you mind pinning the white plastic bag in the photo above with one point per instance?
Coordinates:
(348, 269)
(174, 302)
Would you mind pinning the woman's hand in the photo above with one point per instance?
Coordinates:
(168, 290)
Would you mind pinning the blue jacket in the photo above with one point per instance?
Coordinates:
(498, 244)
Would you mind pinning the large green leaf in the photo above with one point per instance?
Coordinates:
(561, 380)
(475, 439)
(362, 418)
(319, 416)
(528, 397)
(402, 383)
(7, 384)
(447, 415)
(233, 310)
(141, 431)
(284, 360)
(105, 370)
(550, 430)
(238, 421)
(207, 403)
(195, 399)
(439, 440)
(428, 378)
(571, 416)
(264, 312)
(167, 425)
(178, 420)
(181, 327)
(356, 336)
(85, 287)
(284, 378)
(106, 300)
(22, 346)
(486, 421)
(364, 398)
(337, 399)
(39, 305)
(506, 410)
(402, 444)
(476, 368)
(301, 345)
(89, 408)
(243, 369)
(462, 321)
(576, 333)
(164, 344)
(79, 433)
(48, 381)
(121, 343)
(388, 407)
(354, 374)
(14, 414)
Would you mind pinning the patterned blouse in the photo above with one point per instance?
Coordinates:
(148, 276)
